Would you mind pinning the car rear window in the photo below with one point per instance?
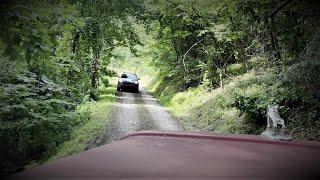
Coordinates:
(129, 75)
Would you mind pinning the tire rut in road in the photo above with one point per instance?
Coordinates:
(123, 119)
(160, 116)
(145, 119)
(131, 113)
(127, 113)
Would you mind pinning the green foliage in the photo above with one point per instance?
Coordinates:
(105, 81)
(84, 136)
(93, 94)
(164, 89)
(209, 39)
(302, 80)
(302, 104)
(52, 55)
(214, 44)
(236, 69)
(105, 28)
(205, 110)
(219, 63)
(240, 107)
(40, 82)
(36, 116)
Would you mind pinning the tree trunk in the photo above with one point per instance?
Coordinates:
(221, 79)
(273, 36)
(274, 41)
(75, 41)
(94, 72)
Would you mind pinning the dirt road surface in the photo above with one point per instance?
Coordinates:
(135, 112)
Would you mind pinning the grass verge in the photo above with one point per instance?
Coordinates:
(205, 109)
(240, 107)
(91, 130)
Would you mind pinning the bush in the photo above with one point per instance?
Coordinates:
(257, 62)
(93, 94)
(240, 107)
(36, 116)
(302, 81)
(302, 102)
(105, 81)
(164, 88)
(236, 69)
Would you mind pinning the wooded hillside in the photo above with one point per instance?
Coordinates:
(248, 54)
(55, 54)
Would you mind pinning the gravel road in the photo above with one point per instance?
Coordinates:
(135, 112)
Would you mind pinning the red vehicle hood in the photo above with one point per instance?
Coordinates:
(185, 155)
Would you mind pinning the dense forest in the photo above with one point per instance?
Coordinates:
(248, 55)
(55, 55)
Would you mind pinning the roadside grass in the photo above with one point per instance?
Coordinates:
(205, 109)
(83, 135)
(240, 106)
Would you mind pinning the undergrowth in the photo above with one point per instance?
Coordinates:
(88, 132)
(240, 107)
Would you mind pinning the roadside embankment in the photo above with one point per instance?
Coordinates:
(87, 135)
(240, 106)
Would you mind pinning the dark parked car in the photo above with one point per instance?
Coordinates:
(128, 81)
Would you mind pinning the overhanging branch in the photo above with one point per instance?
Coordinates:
(184, 56)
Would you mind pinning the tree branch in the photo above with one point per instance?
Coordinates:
(275, 12)
(184, 56)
